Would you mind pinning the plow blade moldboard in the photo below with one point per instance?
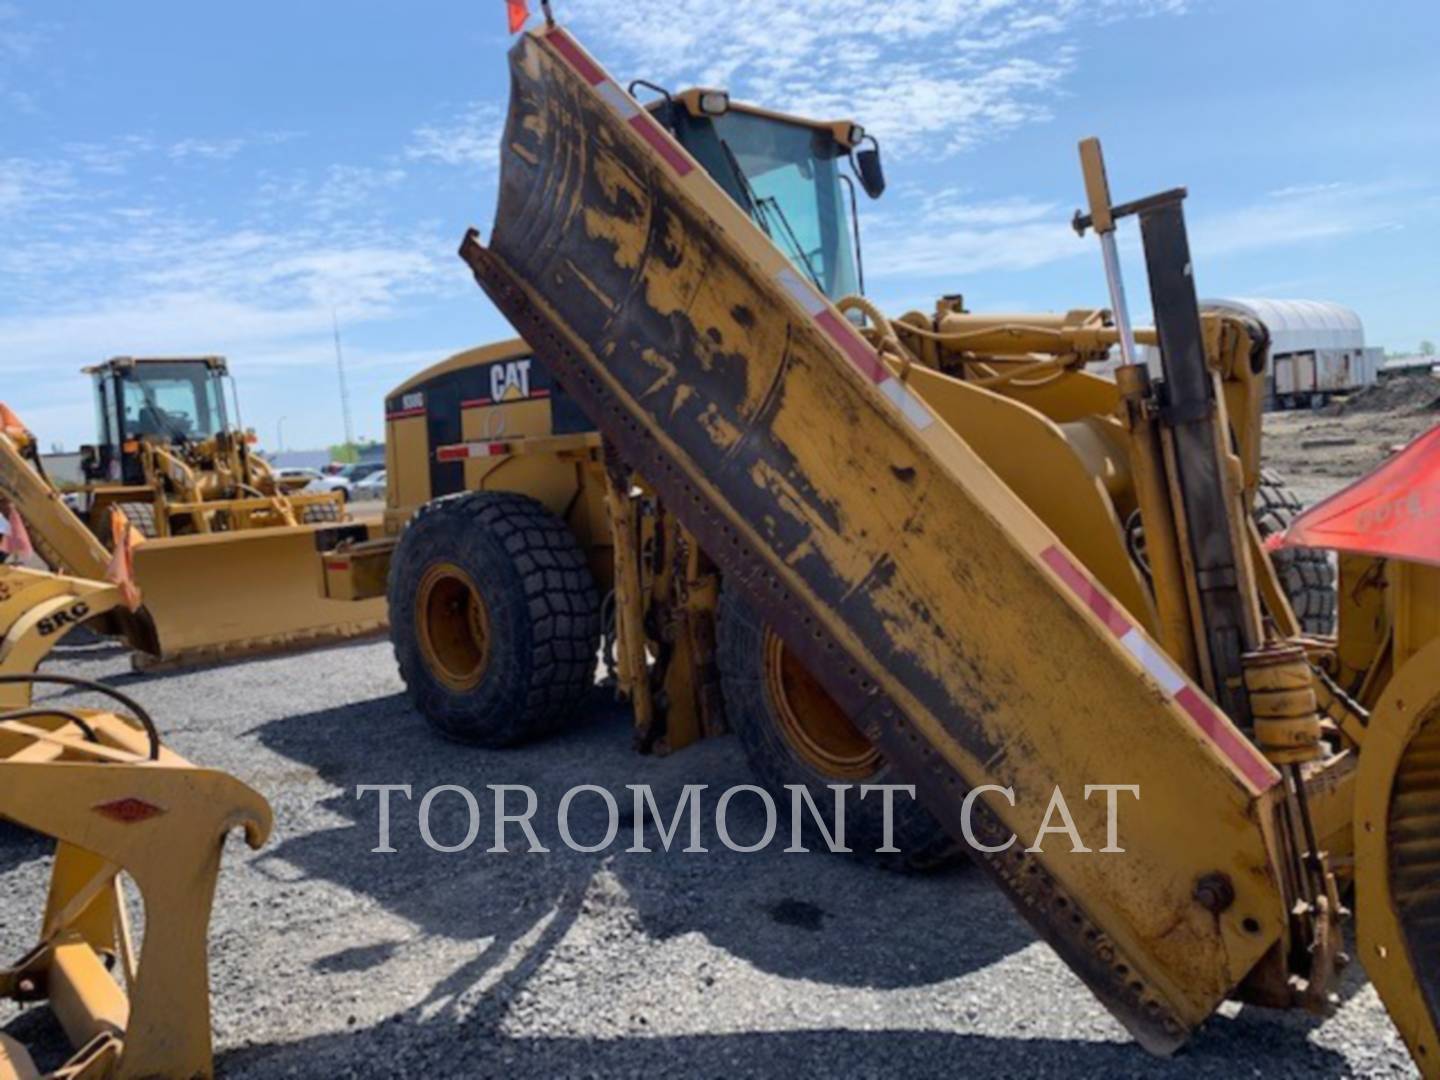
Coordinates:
(1397, 854)
(221, 596)
(946, 619)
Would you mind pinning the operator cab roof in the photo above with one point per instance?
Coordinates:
(122, 363)
(702, 101)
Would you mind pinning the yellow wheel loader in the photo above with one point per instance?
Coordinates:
(227, 568)
(128, 816)
(1008, 574)
(511, 546)
(169, 456)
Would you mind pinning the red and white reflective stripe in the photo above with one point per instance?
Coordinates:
(402, 414)
(1214, 724)
(915, 410)
(630, 111)
(465, 451)
(859, 351)
(484, 402)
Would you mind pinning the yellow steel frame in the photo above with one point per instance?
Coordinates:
(116, 807)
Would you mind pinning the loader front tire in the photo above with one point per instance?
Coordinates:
(494, 617)
(1306, 574)
(142, 516)
(793, 732)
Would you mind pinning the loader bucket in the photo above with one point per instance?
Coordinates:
(1397, 854)
(116, 802)
(223, 596)
(942, 615)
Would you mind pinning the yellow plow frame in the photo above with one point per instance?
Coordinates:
(118, 802)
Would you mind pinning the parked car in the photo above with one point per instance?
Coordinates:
(345, 480)
(369, 489)
(295, 477)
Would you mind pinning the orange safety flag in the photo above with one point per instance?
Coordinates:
(10, 423)
(121, 570)
(518, 11)
(16, 540)
(1393, 513)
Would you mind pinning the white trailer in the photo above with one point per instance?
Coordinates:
(1317, 349)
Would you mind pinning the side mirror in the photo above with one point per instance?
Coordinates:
(871, 172)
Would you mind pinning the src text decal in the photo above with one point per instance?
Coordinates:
(71, 616)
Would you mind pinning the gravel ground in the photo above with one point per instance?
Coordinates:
(1319, 452)
(331, 961)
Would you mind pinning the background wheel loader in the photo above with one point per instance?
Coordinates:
(511, 545)
(122, 808)
(1008, 574)
(228, 566)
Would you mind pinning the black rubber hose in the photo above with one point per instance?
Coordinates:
(100, 688)
(34, 714)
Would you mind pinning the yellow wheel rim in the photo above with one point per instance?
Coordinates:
(814, 725)
(453, 626)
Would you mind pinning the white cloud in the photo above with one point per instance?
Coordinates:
(206, 149)
(26, 183)
(92, 271)
(471, 136)
(111, 157)
(1305, 213)
(947, 234)
(337, 191)
(935, 75)
(1305, 190)
(224, 148)
(16, 42)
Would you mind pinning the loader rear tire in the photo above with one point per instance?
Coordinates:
(1306, 574)
(494, 617)
(794, 733)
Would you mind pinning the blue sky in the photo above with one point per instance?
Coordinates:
(218, 178)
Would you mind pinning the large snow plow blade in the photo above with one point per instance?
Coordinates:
(940, 612)
(222, 596)
(1397, 854)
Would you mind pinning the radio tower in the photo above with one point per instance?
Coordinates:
(344, 391)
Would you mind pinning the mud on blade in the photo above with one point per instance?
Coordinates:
(911, 582)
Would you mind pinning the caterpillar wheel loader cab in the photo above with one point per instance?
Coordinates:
(227, 562)
(171, 457)
(1011, 575)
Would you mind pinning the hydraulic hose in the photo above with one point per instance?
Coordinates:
(130, 703)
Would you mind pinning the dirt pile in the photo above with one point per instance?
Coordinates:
(1402, 394)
